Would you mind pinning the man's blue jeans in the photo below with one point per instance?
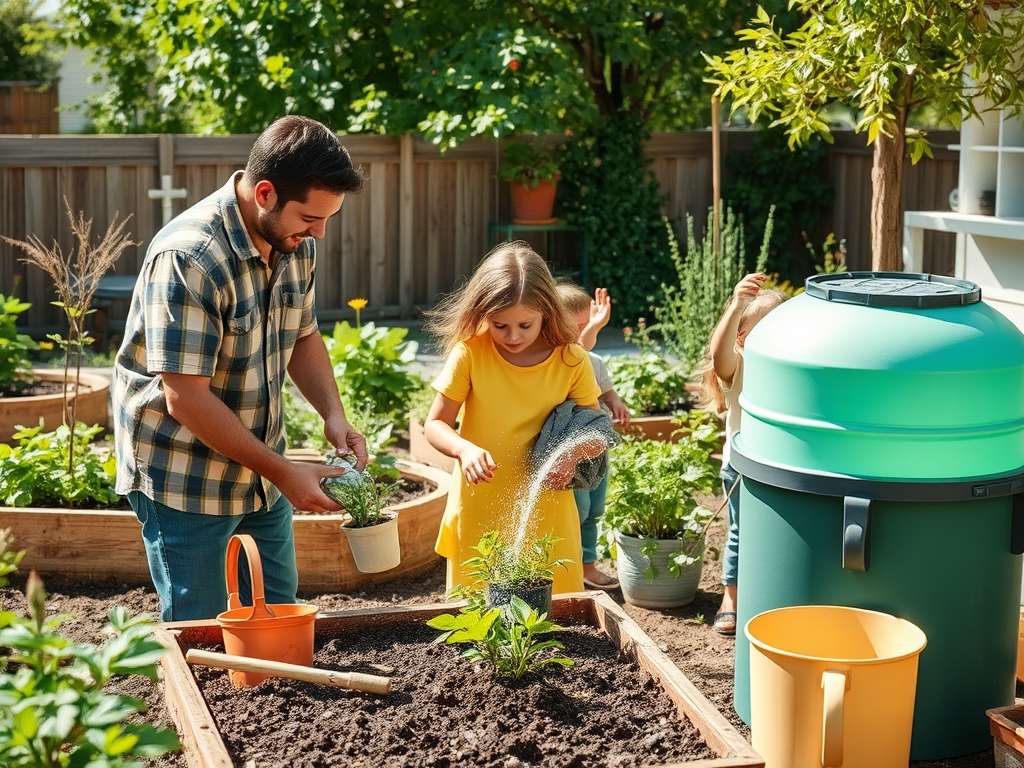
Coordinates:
(187, 554)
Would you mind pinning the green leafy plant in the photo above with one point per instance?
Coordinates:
(608, 187)
(420, 401)
(34, 472)
(505, 638)
(363, 497)
(15, 365)
(690, 307)
(654, 488)
(833, 255)
(649, 384)
(54, 710)
(526, 163)
(499, 563)
(372, 366)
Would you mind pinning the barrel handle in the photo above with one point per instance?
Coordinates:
(856, 533)
(834, 683)
(1017, 524)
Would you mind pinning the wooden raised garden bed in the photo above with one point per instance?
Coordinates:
(206, 748)
(93, 395)
(97, 544)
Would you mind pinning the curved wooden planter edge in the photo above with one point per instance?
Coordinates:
(93, 400)
(100, 544)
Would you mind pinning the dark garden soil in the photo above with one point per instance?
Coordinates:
(33, 389)
(433, 677)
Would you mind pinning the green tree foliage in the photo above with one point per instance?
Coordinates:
(27, 42)
(882, 58)
(447, 69)
(608, 187)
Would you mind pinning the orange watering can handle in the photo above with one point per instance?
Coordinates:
(834, 684)
(252, 554)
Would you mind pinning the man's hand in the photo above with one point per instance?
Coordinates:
(346, 440)
(301, 486)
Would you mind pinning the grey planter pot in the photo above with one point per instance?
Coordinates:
(666, 591)
(538, 598)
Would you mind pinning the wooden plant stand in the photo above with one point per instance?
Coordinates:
(204, 748)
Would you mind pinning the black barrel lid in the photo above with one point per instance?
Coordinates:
(893, 289)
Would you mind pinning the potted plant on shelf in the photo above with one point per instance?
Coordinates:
(657, 522)
(533, 176)
(504, 573)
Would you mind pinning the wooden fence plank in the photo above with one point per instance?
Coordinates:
(420, 226)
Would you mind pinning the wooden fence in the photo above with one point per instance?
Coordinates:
(29, 107)
(417, 228)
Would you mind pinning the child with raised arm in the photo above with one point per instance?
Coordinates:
(722, 382)
(590, 316)
(512, 359)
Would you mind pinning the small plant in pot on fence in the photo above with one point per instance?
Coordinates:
(657, 523)
(372, 532)
(502, 572)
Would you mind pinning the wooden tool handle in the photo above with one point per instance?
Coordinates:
(354, 681)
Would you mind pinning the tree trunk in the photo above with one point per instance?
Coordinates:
(886, 207)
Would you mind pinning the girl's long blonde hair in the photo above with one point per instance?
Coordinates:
(713, 398)
(511, 274)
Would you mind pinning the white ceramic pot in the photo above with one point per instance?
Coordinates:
(375, 548)
(666, 591)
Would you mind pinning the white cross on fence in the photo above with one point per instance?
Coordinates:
(166, 194)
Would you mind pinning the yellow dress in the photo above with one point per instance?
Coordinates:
(505, 408)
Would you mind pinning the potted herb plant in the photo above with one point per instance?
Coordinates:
(506, 573)
(656, 519)
(533, 176)
(371, 531)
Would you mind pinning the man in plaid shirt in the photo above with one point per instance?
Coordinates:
(222, 310)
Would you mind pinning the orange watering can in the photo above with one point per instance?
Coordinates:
(278, 632)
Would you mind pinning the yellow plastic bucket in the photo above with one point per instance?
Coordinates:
(832, 686)
(278, 632)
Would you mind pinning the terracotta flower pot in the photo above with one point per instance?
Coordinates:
(533, 205)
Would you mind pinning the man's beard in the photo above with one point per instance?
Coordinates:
(268, 226)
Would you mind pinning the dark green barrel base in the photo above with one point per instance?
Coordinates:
(947, 567)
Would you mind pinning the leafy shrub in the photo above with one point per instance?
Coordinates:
(421, 400)
(504, 638)
(690, 308)
(649, 384)
(371, 365)
(653, 492)
(35, 471)
(15, 365)
(608, 187)
(53, 707)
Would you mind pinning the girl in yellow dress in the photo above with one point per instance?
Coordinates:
(511, 359)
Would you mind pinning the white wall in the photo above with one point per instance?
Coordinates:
(74, 88)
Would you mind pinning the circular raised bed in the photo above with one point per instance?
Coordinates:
(97, 544)
(93, 399)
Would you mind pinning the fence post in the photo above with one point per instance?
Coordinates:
(406, 225)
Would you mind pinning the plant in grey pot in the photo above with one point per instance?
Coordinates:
(657, 522)
(502, 572)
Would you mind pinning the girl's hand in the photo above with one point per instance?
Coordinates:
(600, 308)
(747, 288)
(477, 465)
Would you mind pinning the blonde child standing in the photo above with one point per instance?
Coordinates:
(590, 316)
(511, 359)
(722, 383)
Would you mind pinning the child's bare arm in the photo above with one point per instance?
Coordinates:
(723, 341)
(620, 412)
(600, 314)
(439, 429)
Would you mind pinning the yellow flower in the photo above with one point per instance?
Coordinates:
(357, 304)
(46, 345)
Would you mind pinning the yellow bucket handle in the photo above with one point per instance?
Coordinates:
(835, 683)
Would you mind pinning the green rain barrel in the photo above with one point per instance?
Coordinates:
(882, 452)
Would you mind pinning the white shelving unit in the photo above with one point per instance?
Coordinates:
(989, 248)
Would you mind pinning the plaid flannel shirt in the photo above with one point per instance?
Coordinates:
(206, 304)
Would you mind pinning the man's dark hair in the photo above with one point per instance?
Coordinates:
(296, 155)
